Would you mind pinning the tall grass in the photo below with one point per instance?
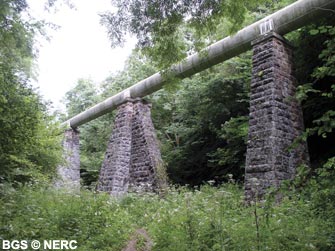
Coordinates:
(210, 218)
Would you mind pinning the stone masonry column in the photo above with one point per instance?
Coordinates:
(114, 173)
(275, 118)
(146, 162)
(132, 160)
(69, 173)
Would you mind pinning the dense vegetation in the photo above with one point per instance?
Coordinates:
(202, 124)
(28, 151)
(212, 218)
(181, 27)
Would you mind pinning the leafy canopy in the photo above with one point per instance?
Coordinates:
(28, 147)
(168, 28)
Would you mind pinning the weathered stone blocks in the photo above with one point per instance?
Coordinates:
(68, 174)
(275, 118)
(132, 160)
(114, 174)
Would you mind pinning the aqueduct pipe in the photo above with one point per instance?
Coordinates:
(283, 21)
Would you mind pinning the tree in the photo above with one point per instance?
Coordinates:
(168, 30)
(315, 72)
(81, 97)
(203, 125)
(27, 147)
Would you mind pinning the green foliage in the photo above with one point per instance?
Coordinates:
(326, 123)
(317, 94)
(93, 143)
(169, 30)
(95, 221)
(323, 194)
(202, 125)
(16, 39)
(198, 142)
(17, 101)
(315, 68)
(81, 97)
(234, 132)
(206, 219)
(28, 146)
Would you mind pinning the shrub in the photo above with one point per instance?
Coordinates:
(209, 218)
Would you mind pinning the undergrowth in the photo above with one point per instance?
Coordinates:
(209, 218)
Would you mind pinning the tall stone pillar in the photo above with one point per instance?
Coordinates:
(145, 155)
(114, 173)
(275, 118)
(132, 160)
(68, 174)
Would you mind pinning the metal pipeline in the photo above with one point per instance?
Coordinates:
(282, 22)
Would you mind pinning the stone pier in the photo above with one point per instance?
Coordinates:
(275, 118)
(68, 174)
(132, 160)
